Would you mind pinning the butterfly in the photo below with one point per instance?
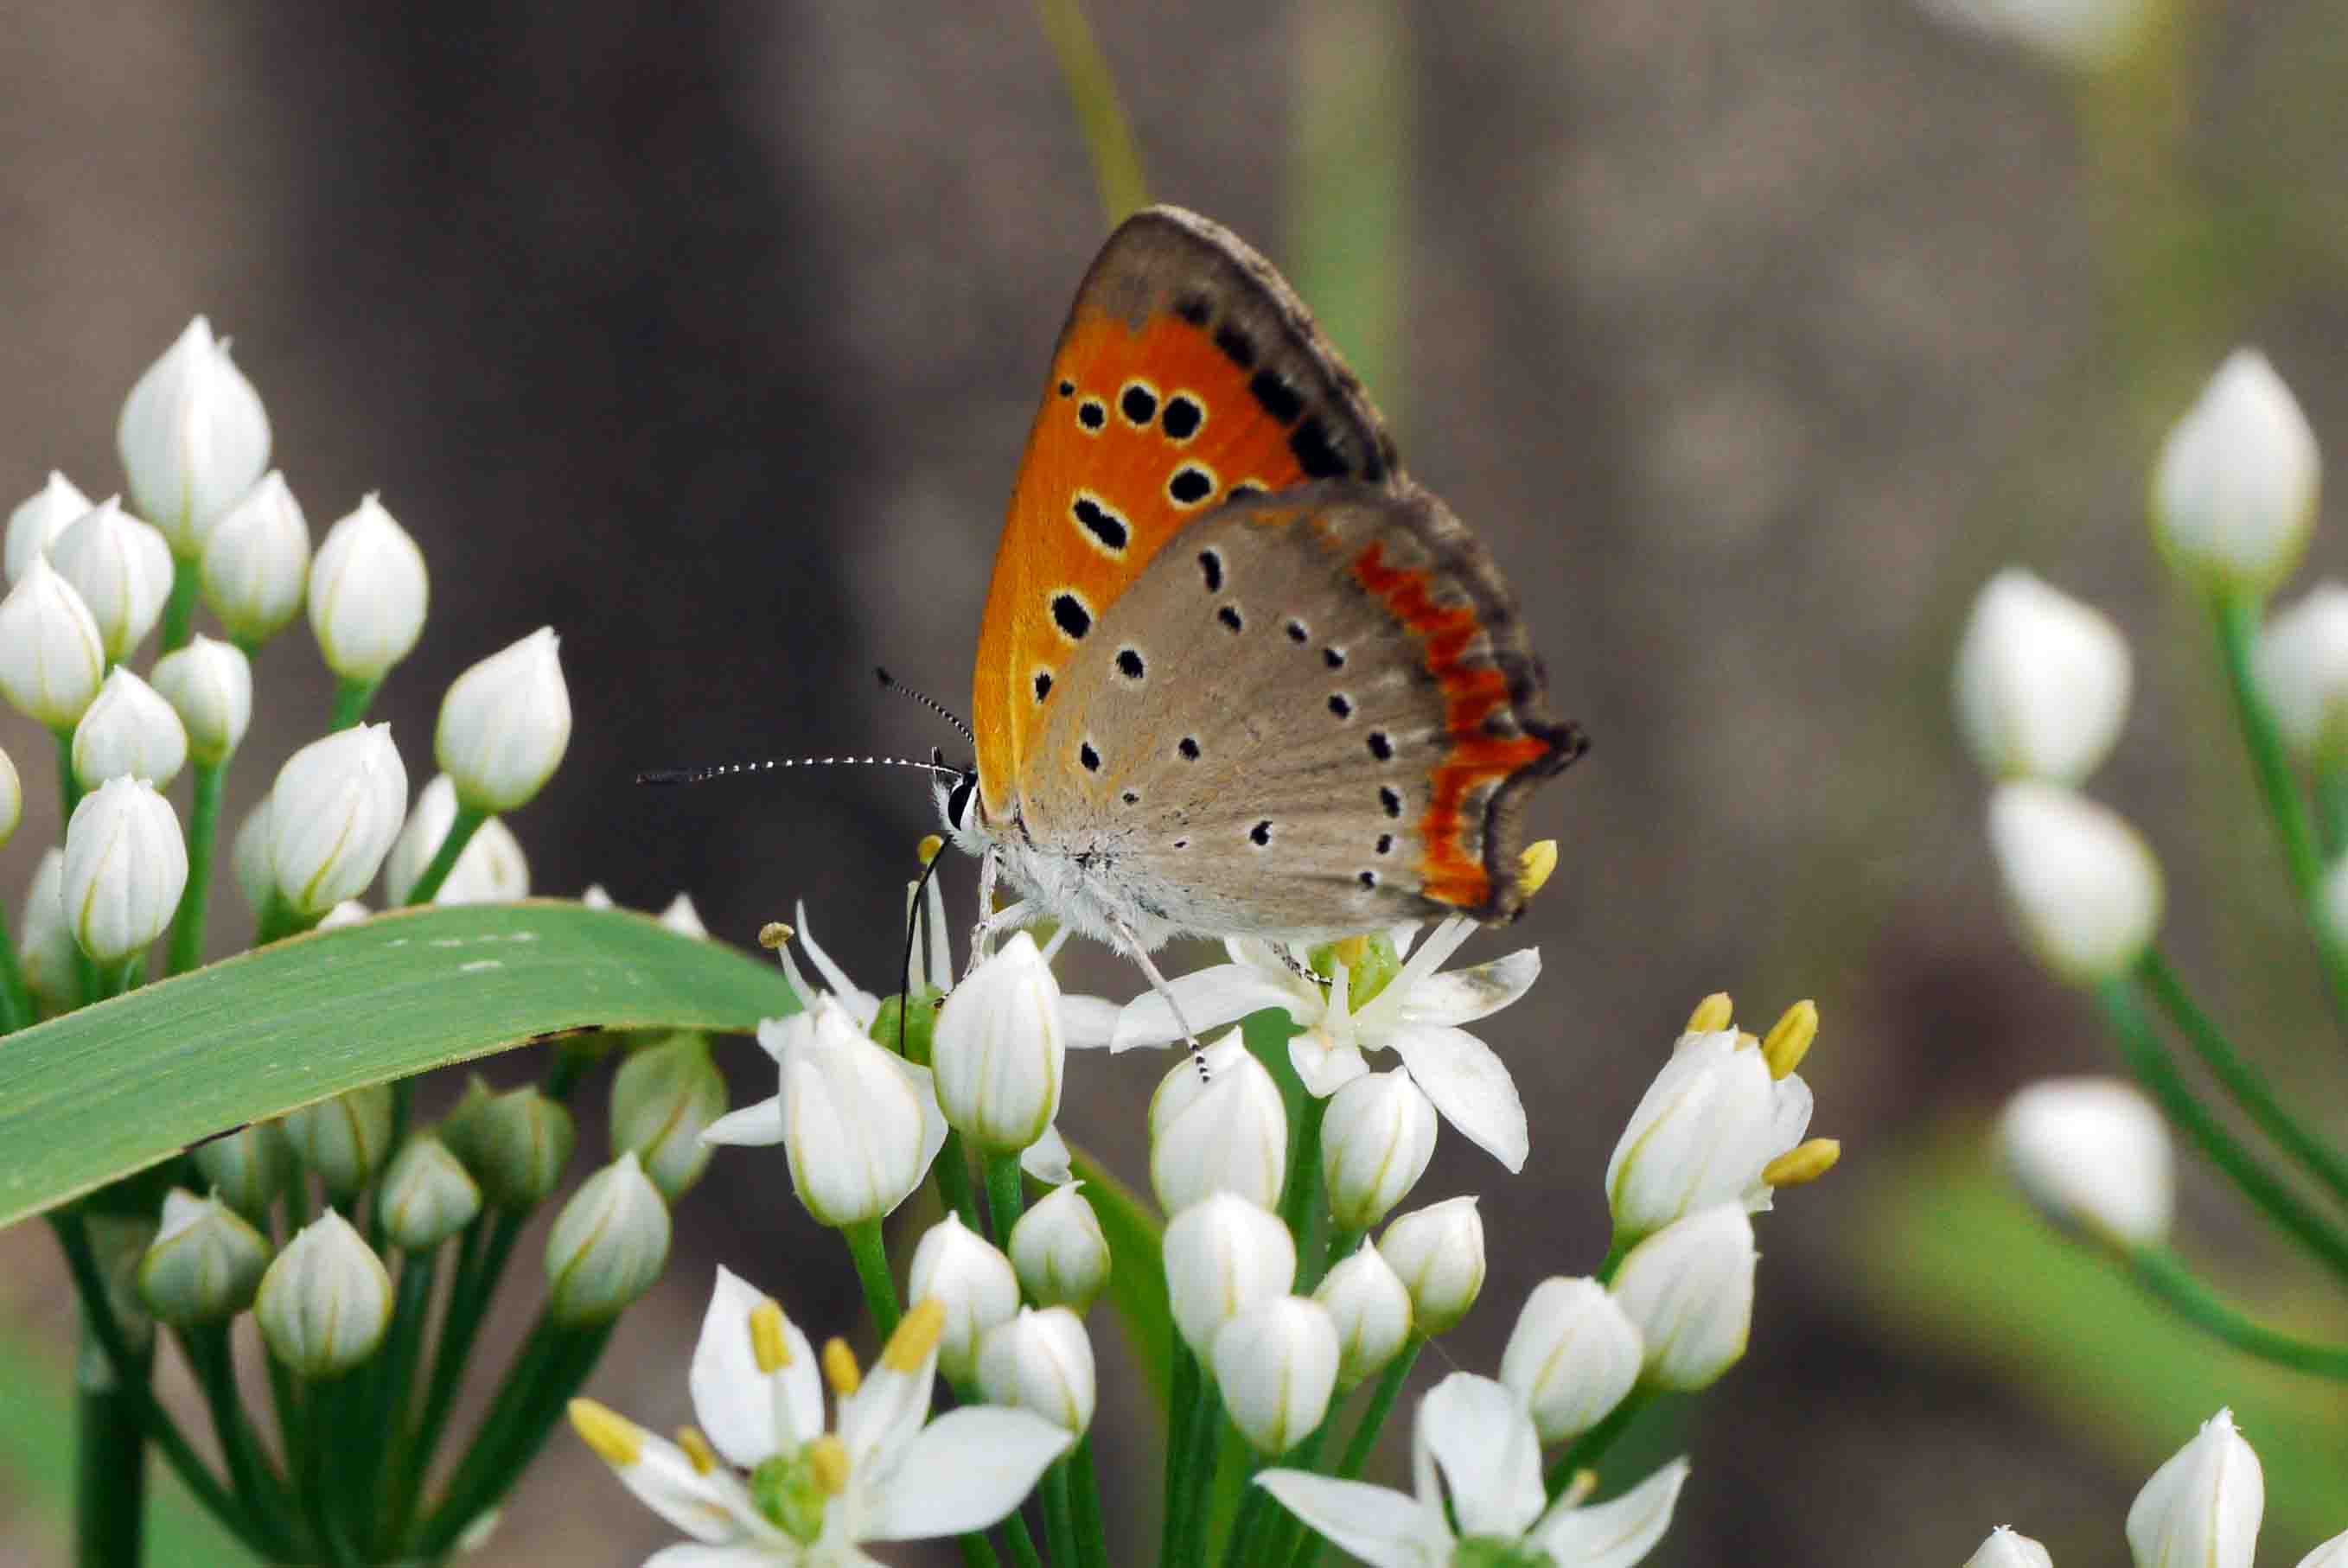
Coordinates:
(1237, 675)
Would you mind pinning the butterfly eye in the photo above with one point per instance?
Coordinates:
(959, 802)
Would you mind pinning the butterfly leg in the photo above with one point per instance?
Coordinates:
(1140, 955)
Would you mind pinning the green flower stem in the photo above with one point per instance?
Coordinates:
(444, 859)
(109, 1462)
(1101, 120)
(1203, 1438)
(2150, 1061)
(1059, 1514)
(17, 1008)
(2164, 1275)
(310, 1449)
(977, 1552)
(1182, 1380)
(1617, 1248)
(258, 1485)
(2331, 811)
(530, 1400)
(2244, 1082)
(351, 700)
(1083, 1482)
(278, 920)
(870, 1255)
(70, 791)
(1301, 1204)
(1364, 1441)
(480, 1264)
(1005, 1199)
(1342, 1245)
(1023, 1545)
(203, 832)
(1591, 1445)
(394, 1375)
(180, 609)
(1261, 1533)
(951, 1171)
(2238, 636)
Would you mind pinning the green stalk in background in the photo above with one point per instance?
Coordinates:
(203, 832)
(870, 1255)
(1101, 120)
(461, 828)
(17, 1008)
(180, 609)
(2165, 1275)
(1349, 180)
(352, 698)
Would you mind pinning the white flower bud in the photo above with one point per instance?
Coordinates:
(515, 1144)
(247, 1168)
(193, 437)
(126, 866)
(663, 1098)
(209, 683)
(1438, 1253)
(350, 911)
(204, 1264)
(12, 799)
(1224, 1132)
(1688, 1290)
(491, 869)
(2042, 681)
(333, 815)
(1370, 1309)
(2233, 496)
(45, 947)
(2201, 1509)
(2332, 1554)
(2005, 1549)
(256, 879)
(505, 724)
(1376, 1138)
(680, 917)
(1058, 1250)
(51, 655)
(2303, 672)
(2082, 885)
(607, 1245)
(36, 523)
(129, 732)
(2093, 1154)
(965, 1273)
(122, 570)
(1223, 1255)
(1705, 1128)
(367, 593)
(1040, 1361)
(256, 561)
(325, 1302)
(1276, 1364)
(998, 1053)
(1571, 1358)
(343, 1139)
(427, 1196)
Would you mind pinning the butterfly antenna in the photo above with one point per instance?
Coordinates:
(728, 770)
(912, 929)
(890, 683)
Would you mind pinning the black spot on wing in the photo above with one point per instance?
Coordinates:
(1069, 613)
(1276, 396)
(1314, 452)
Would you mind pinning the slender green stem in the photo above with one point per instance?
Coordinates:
(528, 1405)
(1101, 118)
(2150, 1061)
(952, 1170)
(1342, 1245)
(1364, 1441)
(1023, 1545)
(70, 791)
(2331, 811)
(1202, 1436)
(563, 1072)
(109, 1461)
(351, 700)
(1302, 1207)
(2243, 1081)
(1591, 1445)
(317, 1407)
(258, 1485)
(393, 1374)
(1004, 1198)
(478, 1268)
(203, 832)
(1184, 1374)
(1261, 1533)
(1059, 1514)
(1083, 1482)
(180, 609)
(17, 1008)
(278, 920)
(870, 1255)
(977, 1552)
(468, 822)
(2164, 1275)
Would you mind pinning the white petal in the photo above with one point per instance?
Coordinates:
(1618, 1534)
(966, 1470)
(1464, 996)
(748, 1414)
(1086, 1022)
(1384, 1528)
(1047, 1159)
(1470, 1086)
(865, 1006)
(1386, 1008)
(711, 1507)
(689, 1555)
(1324, 1065)
(1208, 998)
(1484, 1445)
(753, 1125)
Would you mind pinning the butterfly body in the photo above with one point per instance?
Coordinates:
(1239, 674)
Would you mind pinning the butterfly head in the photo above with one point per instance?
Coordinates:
(957, 793)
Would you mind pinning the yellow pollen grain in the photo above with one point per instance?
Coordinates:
(929, 847)
(826, 1462)
(697, 1448)
(839, 1368)
(774, 933)
(1803, 1163)
(769, 1346)
(1789, 1040)
(617, 1441)
(916, 1336)
(1534, 866)
(1712, 1015)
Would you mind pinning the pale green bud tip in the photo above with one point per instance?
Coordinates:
(1370, 1308)
(122, 569)
(965, 1275)
(1438, 1254)
(1041, 1361)
(344, 1140)
(2083, 886)
(426, 1195)
(129, 732)
(515, 1144)
(12, 799)
(205, 1262)
(607, 1245)
(247, 1168)
(256, 561)
(2005, 1549)
(325, 1302)
(209, 685)
(663, 1098)
(2233, 497)
(2201, 1509)
(334, 813)
(37, 520)
(2042, 681)
(1276, 1366)
(2092, 1153)
(193, 437)
(367, 593)
(505, 724)
(1059, 1250)
(125, 867)
(52, 657)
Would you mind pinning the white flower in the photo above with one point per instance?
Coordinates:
(491, 869)
(1475, 1455)
(326, 1301)
(204, 1264)
(209, 683)
(256, 879)
(2332, 1554)
(194, 437)
(1223, 1255)
(332, 814)
(1688, 1290)
(45, 941)
(1572, 1356)
(1711, 1119)
(681, 917)
(51, 655)
(1275, 1364)
(2085, 35)
(1059, 1250)
(1376, 1138)
(2005, 1549)
(2082, 885)
(2042, 681)
(427, 1195)
(1222, 1131)
(125, 868)
(36, 523)
(122, 570)
(12, 799)
(1438, 1254)
(1370, 1309)
(2092, 1152)
(1041, 1361)
(129, 732)
(998, 1055)
(367, 593)
(2233, 496)
(2302, 671)
(2201, 1509)
(607, 1244)
(964, 1273)
(1417, 1016)
(881, 1475)
(505, 725)
(256, 561)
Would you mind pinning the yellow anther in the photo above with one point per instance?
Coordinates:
(839, 1368)
(769, 1346)
(826, 1462)
(616, 1440)
(1712, 1015)
(774, 933)
(1789, 1040)
(916, 1336)
(929, 847)
(1583, 1483)
(697, 1448)
(1351, 952)
(1534, 866)
(1803, 1163)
